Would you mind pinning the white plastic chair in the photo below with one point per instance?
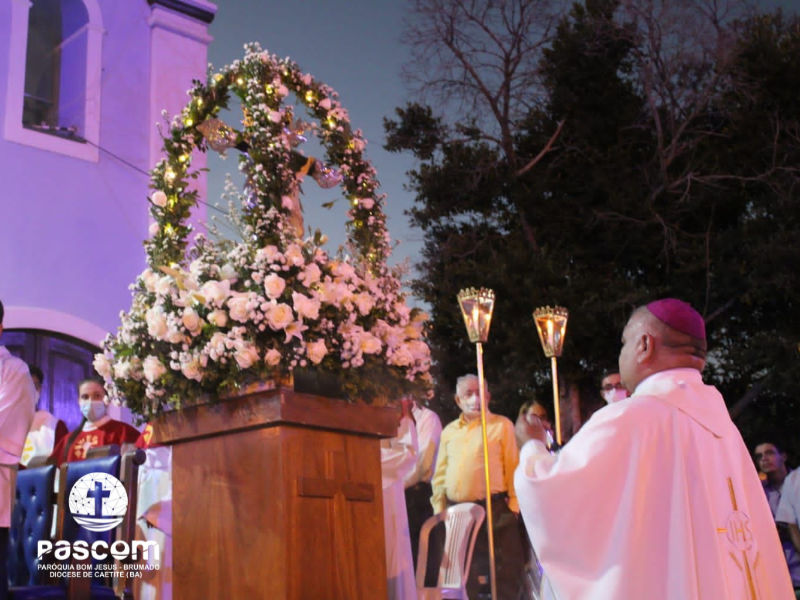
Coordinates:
(462, 523)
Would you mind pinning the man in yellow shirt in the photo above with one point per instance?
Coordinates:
(459, 477)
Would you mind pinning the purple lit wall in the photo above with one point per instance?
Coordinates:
(72, 227)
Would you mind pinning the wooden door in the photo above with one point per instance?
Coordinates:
(64, 360)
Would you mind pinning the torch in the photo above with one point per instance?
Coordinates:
(551, 323)
(476, 308)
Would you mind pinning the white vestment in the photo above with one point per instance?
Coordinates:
(17, 405)
(398, 459)
(154, 523)
(656, 497)
(429, 431)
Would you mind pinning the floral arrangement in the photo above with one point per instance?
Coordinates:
(207, 320)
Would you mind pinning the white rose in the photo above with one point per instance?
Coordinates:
(227, 271)
(316, 351)
(401, 357)
(218, 317)
(343, 270)
(269, 253)
(272, 357)
(159, 199)
(294, 255)
(364, 302)
(325, 103)
(174, 335)
(274, 285)
(191, 320)
(419, 350)
(164, 285)
(122, 369)
(215, 292)
(246, 355)
(306, 308)
(149, 278)
(238, 306)
(279, 316)
(156, 322)
(192, 369)
(369, 344)
(102, 365)
(153, 368)
(216, 346)
(310, 275)
(413, 330)
(152, 229)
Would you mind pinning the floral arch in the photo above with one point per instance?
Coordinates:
(207, 319)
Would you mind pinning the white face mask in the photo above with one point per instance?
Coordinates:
(615, 395)
(471, 405)
(93, 410)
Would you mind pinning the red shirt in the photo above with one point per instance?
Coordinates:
(111, 432)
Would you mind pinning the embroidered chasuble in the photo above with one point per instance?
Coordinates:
(655, 497)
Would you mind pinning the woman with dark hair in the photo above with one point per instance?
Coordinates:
(96, 429)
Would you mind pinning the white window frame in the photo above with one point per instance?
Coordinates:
(13, 130)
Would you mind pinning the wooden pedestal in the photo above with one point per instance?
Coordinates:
(277, 495)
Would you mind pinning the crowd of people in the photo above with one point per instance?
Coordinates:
(655, 496)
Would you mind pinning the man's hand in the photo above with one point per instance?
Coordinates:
(530, 428)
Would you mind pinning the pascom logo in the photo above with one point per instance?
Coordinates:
(98, 501)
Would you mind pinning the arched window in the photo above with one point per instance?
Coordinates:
(53, 92)
(55, 67)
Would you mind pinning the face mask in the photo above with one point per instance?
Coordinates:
(471, 404)
(615, 395)
(93, 410)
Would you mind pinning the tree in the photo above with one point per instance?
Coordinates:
(671, 174)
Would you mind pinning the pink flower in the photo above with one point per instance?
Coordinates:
(102, 365)
(274, 285)
(272, 357)
(218, 317)
(316, 351)
(269, 253)
(364, 302)
(191, 320)
(159, 198)
(294, 255)
(239, 308)
(295, 329)
(369, 344)
(310, 275)
(306, 308)
(215, 292)
(279, 316)
(245, 354)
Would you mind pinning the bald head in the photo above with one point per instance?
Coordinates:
(650, 345)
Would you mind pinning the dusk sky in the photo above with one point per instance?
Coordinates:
(353, 46)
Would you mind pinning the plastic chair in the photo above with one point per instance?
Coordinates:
(462, 523)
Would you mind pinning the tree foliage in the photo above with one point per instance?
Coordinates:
(654, 154)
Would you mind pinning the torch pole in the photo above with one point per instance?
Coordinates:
(489, 521)
(556, 403)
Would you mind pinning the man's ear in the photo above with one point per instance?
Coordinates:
(645, 348)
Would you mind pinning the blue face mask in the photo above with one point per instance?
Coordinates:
(93, 410)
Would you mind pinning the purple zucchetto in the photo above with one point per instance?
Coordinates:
(680, 316)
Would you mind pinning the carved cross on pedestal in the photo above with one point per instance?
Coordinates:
(335, 482)
(341, 494)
